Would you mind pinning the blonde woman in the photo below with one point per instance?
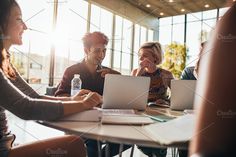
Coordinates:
(150, 56)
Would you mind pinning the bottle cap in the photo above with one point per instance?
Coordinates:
(76, 75)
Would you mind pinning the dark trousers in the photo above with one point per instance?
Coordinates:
(153, 152)
(183, 153)
(110, 149)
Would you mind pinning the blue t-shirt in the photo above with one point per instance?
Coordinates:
(187, 74)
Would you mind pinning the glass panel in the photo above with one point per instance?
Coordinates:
(95, 18)
(193, 42)
(136, 45)
(207, 27)
(165, 35)
(126, 46)
(178, 19)
(143, 37)
(222, 11)
(67, 37)
(210, 14)
(178, 29)
(150, 35)
(117, 43)
(165, 21)
(178, 33)
(194, 16)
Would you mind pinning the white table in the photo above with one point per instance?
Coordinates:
(124, 134)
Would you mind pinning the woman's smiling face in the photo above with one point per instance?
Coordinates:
(15, 27)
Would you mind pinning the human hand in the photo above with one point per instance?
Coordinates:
(162, 103)
(92, 99)
(147, 65)
(105, 71)
(80, 95)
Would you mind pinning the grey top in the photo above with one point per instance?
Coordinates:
(20, 99)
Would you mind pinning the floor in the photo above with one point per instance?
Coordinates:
(30, 131)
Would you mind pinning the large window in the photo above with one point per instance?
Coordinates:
(126, 47)
(141, 35)
(71, 26)
(193, 36)
(150, 35)
(165, 28)
(136, 45)
(199, 27)
(118, 42)
(178, 29)
(122, 45)
(222, 11)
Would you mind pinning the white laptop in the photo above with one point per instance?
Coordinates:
(125, 92)
(182, 94)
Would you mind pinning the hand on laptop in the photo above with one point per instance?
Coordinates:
(80, 95)
(91, 100)
(162, 103)
(105, 71)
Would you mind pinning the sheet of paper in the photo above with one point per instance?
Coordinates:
(177, 130)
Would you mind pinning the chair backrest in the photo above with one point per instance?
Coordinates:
(50, 90)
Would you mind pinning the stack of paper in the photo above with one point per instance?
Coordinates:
(177, 130)
(135, 120)
(124, 116)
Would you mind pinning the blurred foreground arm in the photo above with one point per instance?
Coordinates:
(215, 133)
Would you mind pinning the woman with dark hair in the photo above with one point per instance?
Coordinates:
(20, 99)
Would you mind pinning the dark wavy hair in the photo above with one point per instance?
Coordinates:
(5, 10)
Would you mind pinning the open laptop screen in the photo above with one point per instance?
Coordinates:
(125, 92)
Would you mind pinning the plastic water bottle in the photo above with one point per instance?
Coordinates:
(76, 84)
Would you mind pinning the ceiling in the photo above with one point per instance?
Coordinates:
(164, 8)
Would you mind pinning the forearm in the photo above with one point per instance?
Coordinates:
(71, 107)
(115, 72)
(55, 98)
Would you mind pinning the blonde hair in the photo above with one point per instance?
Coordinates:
(157, 51)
